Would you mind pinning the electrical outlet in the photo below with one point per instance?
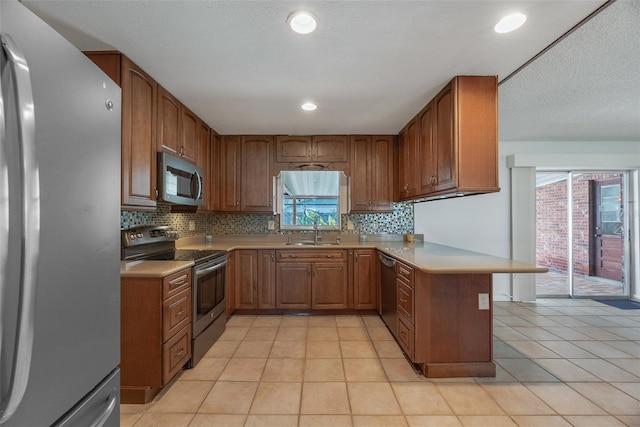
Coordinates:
(349, 225)
(271, 224)
(483, 301)
(192, 225)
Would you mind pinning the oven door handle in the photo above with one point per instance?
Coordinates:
(200, 273)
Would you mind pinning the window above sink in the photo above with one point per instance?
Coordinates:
(310, 199)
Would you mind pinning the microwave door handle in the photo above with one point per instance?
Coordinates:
(31, 228)
(199, 181)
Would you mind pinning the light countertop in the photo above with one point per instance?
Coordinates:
(152, 268)
(428, 257)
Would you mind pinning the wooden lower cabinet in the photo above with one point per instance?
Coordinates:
(155, 333)
(254, 281)
(312, 279)
(449, 336)
(365, 279)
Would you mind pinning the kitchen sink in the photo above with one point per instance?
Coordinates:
(311, 243)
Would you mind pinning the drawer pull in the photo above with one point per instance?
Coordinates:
(292, 256)
(180, 313)
(179, 354)
(329, 256)
(402, 299)
(403, 334)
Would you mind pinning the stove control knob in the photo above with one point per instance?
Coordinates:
(139, 235)
(132, 236)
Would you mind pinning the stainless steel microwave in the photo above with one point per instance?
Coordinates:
(179, 181)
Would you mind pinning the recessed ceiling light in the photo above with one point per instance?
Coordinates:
(308, 106)
(510, 23)
(302, 22)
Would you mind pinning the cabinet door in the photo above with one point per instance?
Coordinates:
(428, 152)
(168, 122)
(214, 190)
(188, 142)
(266, 279)
(256, 181)
(246, 271)
(230, 288)
(408, 163)
(293, 148)
(330, 148)
(293, 288)
(204, 161)
(329, 285)
(445, 137)
(364, 279)
(139, 104)
(382, 173)
(361, 198)
(229, 173)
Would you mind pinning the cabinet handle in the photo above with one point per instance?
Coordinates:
(180, 313)
(329, 256)
(156, 191)
(179, 354)
(292, 256)
(402, 299)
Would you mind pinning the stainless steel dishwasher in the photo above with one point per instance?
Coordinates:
(389, 292)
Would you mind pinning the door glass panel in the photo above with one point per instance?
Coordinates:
(552, 225)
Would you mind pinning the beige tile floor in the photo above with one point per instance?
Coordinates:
(560, 362)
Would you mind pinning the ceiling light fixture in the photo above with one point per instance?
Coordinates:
(510, 23)
(302, 22)
(308, 106)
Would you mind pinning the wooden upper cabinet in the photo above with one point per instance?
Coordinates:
(139, 103)
(372, 173)
(229, 173)
(204, 161)
(408, 146)
(321, 148)
(214, 172)
(428, 154)
(455, 138)
(256, 180)
(444, 141)
(169, 115)
(189, 124)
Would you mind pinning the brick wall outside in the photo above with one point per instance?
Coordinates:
(551, 223)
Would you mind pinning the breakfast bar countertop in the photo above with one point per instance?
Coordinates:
(429, 257)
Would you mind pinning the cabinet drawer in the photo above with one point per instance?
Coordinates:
(307, 255)
(405, 336)
(405, 300)
(176, 283)
(176, 313)
(175, 353)
(405, 272)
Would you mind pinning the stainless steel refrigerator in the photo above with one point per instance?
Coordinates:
(59, 230)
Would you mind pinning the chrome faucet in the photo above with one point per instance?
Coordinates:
(315, 229)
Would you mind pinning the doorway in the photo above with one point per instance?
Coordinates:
(580, 223)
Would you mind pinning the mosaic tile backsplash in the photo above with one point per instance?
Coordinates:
(197, 224)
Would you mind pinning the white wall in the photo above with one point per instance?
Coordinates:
(482, 223)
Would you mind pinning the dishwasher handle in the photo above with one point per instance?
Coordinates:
(388, 261)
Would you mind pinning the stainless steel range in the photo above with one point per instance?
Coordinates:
(208, 287)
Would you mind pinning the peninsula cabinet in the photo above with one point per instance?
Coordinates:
(372, 173)
(320, 149)
(254, 279)
(139, 104)
(246, 180)
(314, 278)
(455, 139)
(365, 279)
(155, 331)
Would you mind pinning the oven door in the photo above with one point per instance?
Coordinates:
(208, 293)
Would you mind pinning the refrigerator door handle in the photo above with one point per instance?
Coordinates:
(31, 228)
(104, 415)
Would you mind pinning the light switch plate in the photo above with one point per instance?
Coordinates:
(483, 301)
(349, 225)
(192, 225)
(271, 224)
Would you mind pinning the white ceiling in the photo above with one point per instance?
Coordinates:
(372, 65)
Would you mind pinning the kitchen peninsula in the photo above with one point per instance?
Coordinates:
(443, 294)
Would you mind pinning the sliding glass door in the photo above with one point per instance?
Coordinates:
(581, 223)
